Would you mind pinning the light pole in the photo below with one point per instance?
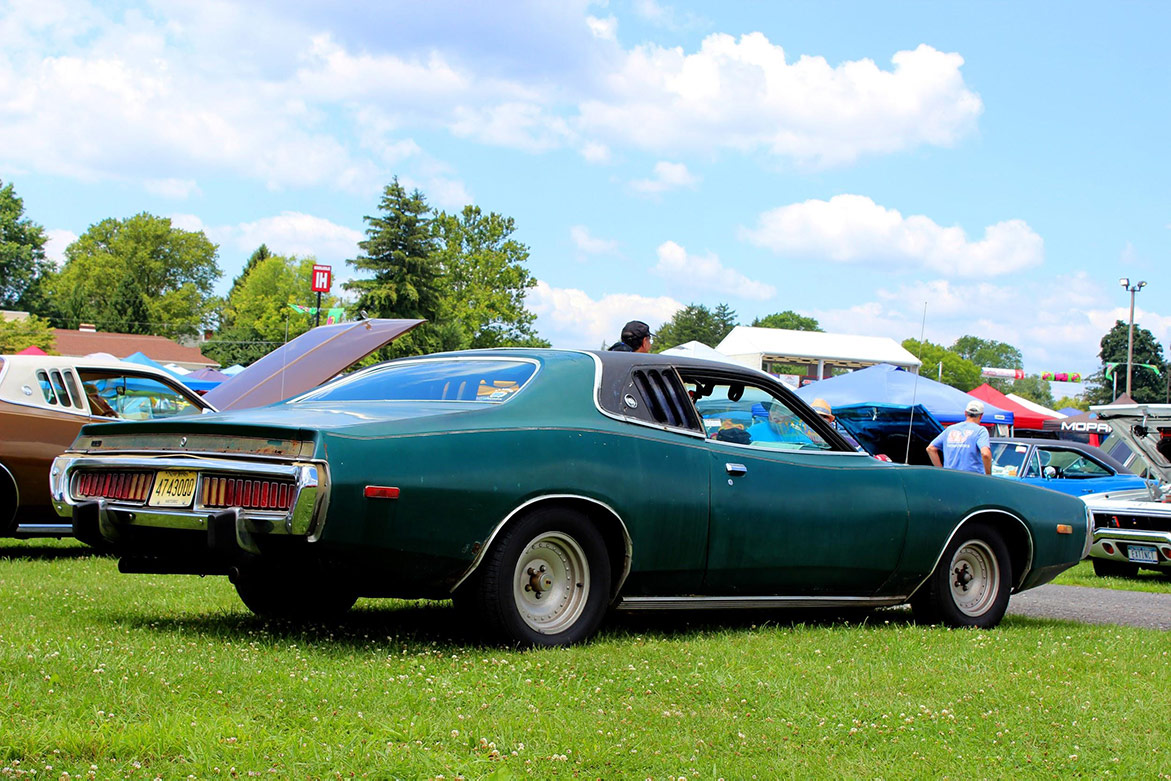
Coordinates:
(1125, 282)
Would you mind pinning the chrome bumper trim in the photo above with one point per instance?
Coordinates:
(309, 505)
(750, 603)
(1108, 534)
(43, 530)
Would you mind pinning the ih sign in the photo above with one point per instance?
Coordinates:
(322, 276)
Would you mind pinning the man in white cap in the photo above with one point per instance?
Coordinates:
(964, 445)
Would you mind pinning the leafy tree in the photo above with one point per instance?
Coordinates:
(789, 320)
(140, 275)
(23, 265)
(957, 371)
(400, 251)
(986, 352)
(695, 322)
(484, 282)
(32, 331)
(259, 254)
(1034, 389)
(1146, 385)
(257, 317)
(1071, 401)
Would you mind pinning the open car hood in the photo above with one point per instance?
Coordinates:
(1142, 426)
(883, 429)
(306, 362)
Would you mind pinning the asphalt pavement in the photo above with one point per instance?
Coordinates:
(1094, 606)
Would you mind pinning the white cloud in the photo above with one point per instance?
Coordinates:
(595, 153)
(606, 29)
(667, 176)
(706, 273)
(854, 229)
(179, 189)
(571, 318)
(58, 240)
(1056, 323)
(743, 94)
(590, 244)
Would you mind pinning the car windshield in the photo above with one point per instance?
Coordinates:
(1008, 458)
(481, 380)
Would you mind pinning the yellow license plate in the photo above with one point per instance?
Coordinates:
(173, 489)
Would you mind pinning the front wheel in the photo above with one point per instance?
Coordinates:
(546, 581)
(971, 584)
(1106, 568)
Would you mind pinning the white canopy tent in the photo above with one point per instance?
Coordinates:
(1034, 406)
(759, 347)
(697, 350)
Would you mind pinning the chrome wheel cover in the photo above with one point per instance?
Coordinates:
(974, 578)
(551, 582)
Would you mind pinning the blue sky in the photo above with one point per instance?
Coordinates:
(1003, 164)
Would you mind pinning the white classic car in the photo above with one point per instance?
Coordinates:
(1132, 528)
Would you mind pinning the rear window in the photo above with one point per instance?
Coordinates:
(488, 381)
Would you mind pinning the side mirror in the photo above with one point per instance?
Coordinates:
(1050, 472)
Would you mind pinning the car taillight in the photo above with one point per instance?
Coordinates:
(247, 494)
(124, 486)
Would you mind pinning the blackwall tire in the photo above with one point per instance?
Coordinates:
(279, 595)
(545, 581)
(971, 584)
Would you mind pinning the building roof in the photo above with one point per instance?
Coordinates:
(159, 348)
(748, 342)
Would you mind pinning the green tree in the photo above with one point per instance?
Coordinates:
(1146, 386)
(399, 251)
(23, 265)
(484, 282)
(261, 253)
(1034, 389)
(695, 323)
(257, 317)
(1071, 401)
(789, 320)
(986, 352)
(140, 275)
(32, 331)
(957, 371)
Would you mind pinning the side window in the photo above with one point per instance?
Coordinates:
(1036, 463)
(74, 391)
(746, 414)
(59, 388)
(656, 395)
(129, 397)
(1071, 464)
(46, 387)
(1008, 458)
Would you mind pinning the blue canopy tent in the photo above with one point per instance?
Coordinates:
(194, 383)
(886, 384)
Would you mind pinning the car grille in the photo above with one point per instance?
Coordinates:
(247, 494)
(1137, 522)
(124, 486)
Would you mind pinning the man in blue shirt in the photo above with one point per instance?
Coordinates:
(964, 445)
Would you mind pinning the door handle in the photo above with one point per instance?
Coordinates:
(736, 469)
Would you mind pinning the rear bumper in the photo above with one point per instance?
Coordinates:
(129, 524)
(1113, 544)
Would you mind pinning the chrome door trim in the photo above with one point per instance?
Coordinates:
(749, 603)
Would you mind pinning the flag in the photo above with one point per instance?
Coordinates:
(334, 315)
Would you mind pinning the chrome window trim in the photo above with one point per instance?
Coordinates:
(628, 544)
(1028, 535)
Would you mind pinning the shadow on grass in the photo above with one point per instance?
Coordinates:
(425, 624)
(46, 550)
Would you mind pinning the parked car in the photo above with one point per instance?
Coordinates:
(537, 488)
(1132, 528)
(45, 400)
(1070, 467)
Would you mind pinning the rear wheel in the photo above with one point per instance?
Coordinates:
(280, 594)
(546, 581)
(1106, 568)
(971, 584)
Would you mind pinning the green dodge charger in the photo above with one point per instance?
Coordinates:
(540, 488)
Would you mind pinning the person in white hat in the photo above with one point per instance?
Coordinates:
(964, 446)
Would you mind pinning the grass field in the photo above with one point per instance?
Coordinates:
(111, 676)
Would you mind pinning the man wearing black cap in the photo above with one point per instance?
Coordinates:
(636, 338)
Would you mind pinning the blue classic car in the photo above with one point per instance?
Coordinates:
(1070, 467)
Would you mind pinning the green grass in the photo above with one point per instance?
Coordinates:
(1146, 580)
(107, 676)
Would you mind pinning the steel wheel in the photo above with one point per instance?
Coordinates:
(551, 582)
(975, 578)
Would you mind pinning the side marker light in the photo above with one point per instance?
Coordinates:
(381, 492)
(1064, 528)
